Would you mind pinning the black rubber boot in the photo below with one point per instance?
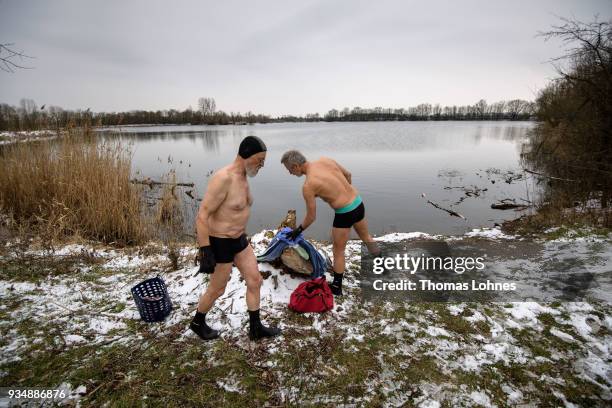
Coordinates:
(336, 285)
(257, 330)
(199, 327)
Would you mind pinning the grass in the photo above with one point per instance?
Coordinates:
(157, 366)
(169, 219)
(163, 369)
(320, 367)
(33, 268)
(553, 222)
(170, 373)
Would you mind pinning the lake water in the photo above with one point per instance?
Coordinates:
(392, 164)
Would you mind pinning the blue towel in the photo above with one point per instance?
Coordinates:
(280, 241)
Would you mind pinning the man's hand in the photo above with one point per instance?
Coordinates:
(294, 234)
(207, 260)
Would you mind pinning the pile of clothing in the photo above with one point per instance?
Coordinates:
(320, 261)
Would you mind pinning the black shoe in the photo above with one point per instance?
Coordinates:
(262, 331)
(336, 290)
(203, 331)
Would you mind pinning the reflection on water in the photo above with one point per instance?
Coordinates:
(210, 138)
(392, 164)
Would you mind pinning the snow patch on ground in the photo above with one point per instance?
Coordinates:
(528, 310)
(26, 136)
(103, 311)
(491, 233)
(562, 335)
(480, 398)
(405, 236)
(437, 331)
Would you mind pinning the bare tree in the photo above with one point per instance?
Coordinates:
(480, 109)
(588, 64)
(574, 137)
(588, 42)
(437, 110)
(332, 114)
(588, 56)
(207, 106)
(11, 59)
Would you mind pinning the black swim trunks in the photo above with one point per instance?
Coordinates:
(347, 219)
(226, 248)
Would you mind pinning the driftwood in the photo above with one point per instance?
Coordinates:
(508, 206)
(149, 182)
(451, 212)
(508, 176)
(509, 203)
(469, 192)
(550, 177)
(512, 177)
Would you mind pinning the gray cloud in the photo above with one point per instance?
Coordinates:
(281, 57)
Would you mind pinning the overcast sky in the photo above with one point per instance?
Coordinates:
(281, 57)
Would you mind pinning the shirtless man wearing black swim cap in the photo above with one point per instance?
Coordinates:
(221, 225)
(331, 182)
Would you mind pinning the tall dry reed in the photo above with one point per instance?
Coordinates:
(72, 186)
(170, 219)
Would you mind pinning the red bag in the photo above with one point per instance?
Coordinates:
(312, 296)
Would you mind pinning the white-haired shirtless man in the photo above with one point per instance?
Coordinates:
(331, 182)
(221, 225)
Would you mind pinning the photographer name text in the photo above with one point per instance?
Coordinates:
(429, 285)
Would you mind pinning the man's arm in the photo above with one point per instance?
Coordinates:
(347, 174)
(214, 196)
(311, 206)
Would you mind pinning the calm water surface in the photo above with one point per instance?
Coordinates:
(392, 164)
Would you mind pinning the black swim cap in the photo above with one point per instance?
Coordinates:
(251, 145)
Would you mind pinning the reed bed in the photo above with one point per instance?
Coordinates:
(73, 186)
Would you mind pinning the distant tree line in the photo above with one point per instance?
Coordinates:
(28, 116)
(516, 109)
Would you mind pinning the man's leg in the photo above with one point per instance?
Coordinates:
(361, 228)
(216, 287)
(247, 265)
(340, 237)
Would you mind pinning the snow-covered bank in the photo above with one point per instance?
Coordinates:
(420, 354)
(26, 136)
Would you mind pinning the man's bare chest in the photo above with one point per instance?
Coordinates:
(237, 196)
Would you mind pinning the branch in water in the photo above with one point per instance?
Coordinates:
(544, 175)
(451, 212)
(151, 183)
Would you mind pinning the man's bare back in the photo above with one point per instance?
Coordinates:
(330, 182)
